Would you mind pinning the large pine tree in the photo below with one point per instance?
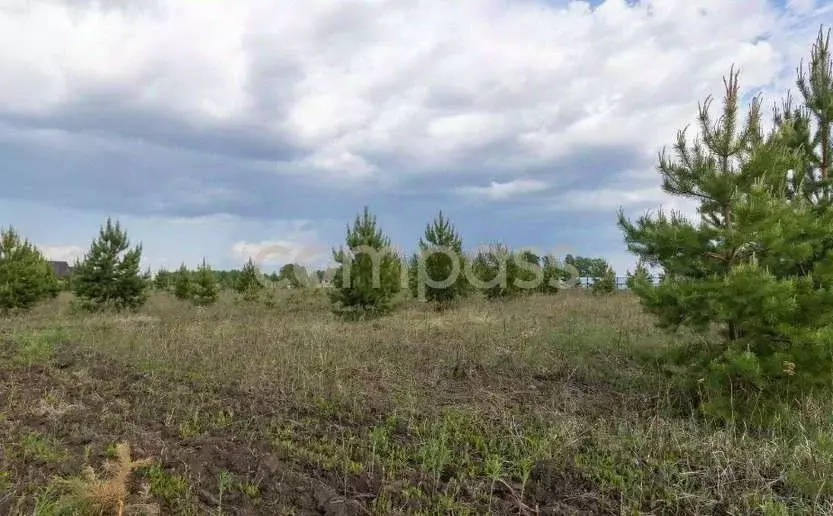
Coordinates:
(109, 274)
(758, 263)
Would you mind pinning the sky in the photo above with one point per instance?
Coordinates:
(260, 128)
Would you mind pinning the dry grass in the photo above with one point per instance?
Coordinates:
(546, 404)
(93, 494)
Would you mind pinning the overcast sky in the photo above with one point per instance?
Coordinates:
(213, 129)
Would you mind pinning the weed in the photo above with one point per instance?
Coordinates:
(171, 487)
(90, 492)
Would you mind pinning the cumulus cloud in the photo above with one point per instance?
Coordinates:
(67, 253)
(632, 201)
(502, 191)
(344, 91)
(265, 109)
(280, 252)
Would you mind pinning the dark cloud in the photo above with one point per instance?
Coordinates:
(108, 115)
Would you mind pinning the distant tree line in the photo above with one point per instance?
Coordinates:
(367, 275)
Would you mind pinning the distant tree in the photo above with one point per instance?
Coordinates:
(499, 272)
(293, 275)
(204, 288)
(639, 276)
(528, 273)
(321, 275)
(368, 273)
(495, 271)
(606, 282)
(25, 275)
(587, 267)
(438, 275)
(163, 279)
(556, 275)
(273, 276)
(109, 275)
(249, 283)
(412, 272)
(182, 283)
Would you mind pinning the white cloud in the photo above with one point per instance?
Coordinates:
(280, 252)
(502, 191)
(610, 199)
(802, 6)
(67, 253)
(432, 83)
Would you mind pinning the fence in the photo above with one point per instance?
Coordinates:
(621, 282)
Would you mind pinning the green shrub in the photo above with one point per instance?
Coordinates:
(25, 276)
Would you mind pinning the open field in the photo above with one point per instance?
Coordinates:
(545, 404)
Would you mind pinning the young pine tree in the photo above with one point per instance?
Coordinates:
(438, 273)
(639, 276)
(369, 271)
(25, 276)
(412, 271)
(556, 275)
(182, 283)
(814, 120)
(163, 279)
(493, 271)
(109, 274)
(752, 265)
(605, 283)
(249, 283)
(204, 287)
(528, 274)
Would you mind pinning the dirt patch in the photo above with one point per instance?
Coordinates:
(559, 487)
(98, 407)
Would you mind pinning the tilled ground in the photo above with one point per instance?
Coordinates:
(68, 409)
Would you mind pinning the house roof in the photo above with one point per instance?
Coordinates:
(61, 268)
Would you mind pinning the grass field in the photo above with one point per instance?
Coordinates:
(539, 405)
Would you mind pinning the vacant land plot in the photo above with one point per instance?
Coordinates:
(540, 405)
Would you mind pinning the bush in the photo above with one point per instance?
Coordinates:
(25, 276)
(109, 275)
